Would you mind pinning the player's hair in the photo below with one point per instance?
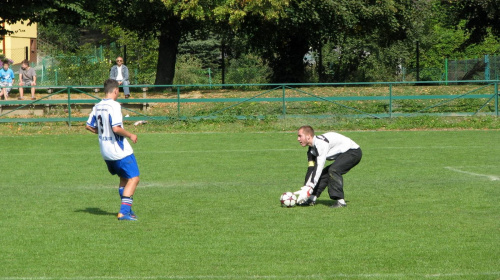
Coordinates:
(110, 85)
(307, 129)
(25, 62)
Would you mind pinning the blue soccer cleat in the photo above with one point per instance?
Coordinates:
(126, 217)
(132, 214)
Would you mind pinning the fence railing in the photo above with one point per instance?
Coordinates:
(259, 101)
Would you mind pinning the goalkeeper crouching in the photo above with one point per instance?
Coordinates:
(329, 146)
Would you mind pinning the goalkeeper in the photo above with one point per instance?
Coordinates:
(329, 146)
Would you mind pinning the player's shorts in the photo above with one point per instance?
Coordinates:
(27, 83)
(7, 85)
(125, 168)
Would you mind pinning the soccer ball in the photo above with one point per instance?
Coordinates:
(288, 199)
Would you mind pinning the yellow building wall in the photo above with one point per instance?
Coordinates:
(14, 45)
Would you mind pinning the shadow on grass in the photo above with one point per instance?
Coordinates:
(95, 211)
(327, 202)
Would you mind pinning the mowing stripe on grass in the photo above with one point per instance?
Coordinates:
(240, 150)
(172, 184)
(322, 276)
(491, 177)
(161, 152)
(421, 147)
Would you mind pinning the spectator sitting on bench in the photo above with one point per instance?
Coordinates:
(6, 79)
(27, 78)
(119, 72)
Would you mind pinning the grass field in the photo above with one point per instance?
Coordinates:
(421, 204)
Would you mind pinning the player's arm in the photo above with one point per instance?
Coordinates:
(91, 124)
(309, 184)
(91, 129)
(122, 132)
(311, 166)
(320, 163)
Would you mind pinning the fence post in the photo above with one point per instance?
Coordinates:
(210, 77)
(178, 102)
(69, 106)
(456, 69)
(496, 98)
(43, 70)
(284, 104)
(487, 67)
(446, 70)
(125, 54)
(390, 100)
(55, 71)
(418, 60)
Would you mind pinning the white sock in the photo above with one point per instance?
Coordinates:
(312, 198)
(341, 201)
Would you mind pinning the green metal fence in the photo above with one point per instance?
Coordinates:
(261, 101)
(486, 67)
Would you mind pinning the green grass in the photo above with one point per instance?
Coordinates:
(421, 205)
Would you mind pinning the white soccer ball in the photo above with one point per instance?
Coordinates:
(288, 199)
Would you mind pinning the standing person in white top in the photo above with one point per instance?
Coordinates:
(106, 121)
(119, 72)
(329, 146)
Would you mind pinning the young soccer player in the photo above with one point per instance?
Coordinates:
(106, 121)
(27, 78)
(6, 79)
(329, 146)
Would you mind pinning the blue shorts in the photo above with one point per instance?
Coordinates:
(125, 168)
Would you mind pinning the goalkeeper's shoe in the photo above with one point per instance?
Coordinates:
(308, 202)
(126, 217)
(337, 204)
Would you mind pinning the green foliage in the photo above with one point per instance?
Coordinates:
(142, 53)
(359, 40)
(82, 68)
(189, 71)
(14, 11)
(55, 38)
(480, 18)
(447, 36)
(206, 47)
(248, 69)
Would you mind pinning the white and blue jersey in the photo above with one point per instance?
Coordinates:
(104, 116)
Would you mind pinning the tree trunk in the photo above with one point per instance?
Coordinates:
(288, 65)
(223, 60)
(319, 63)
(167, 53)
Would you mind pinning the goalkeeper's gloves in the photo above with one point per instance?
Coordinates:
(304, 193)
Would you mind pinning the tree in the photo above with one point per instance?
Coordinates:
(40, 10)
(480, 16)
(164, 19)
(283, 31)
(14, 11)
(168, 20)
